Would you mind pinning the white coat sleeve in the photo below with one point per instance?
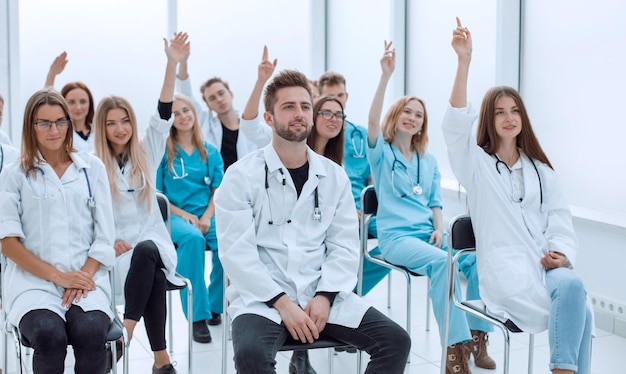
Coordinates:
(462, 148)
(11, 203)
(340, 267)
(236, 235)
(256, 131)
(560, 230)
(104, 225)
(154, 140)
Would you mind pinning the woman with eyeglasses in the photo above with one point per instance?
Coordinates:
(146, 258)
(57, 233)
(410, 220)
(190, 171)
(80, 101)
(525, 240)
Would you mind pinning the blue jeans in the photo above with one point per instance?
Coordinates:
(49, 336)
(256, 341)
(569, 324)
(416, 254)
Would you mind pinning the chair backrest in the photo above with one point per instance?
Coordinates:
(164, 206)
(369, 201)
(461, 232)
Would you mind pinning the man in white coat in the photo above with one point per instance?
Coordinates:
(288, 240)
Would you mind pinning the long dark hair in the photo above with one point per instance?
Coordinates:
(486, 135)
(334, 147)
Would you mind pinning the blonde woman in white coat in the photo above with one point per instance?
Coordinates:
(146, 258)
(57, 232)
(524, 234)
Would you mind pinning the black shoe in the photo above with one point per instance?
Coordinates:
(165, 369)
(300, 363)
(215, 319)
(201, 333)
(118, 353)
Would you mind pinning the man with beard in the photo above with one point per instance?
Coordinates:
(288, 239)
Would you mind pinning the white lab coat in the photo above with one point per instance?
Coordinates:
(81, 144)
(299, 258)
(133, 222)
(211, 124)
(4, 138)
(60, 229)
(511, 236)
(8, 154)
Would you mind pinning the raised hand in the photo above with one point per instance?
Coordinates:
(462, 40)
(177, 49)
(56, 68)
(266, 67)
(388, 61)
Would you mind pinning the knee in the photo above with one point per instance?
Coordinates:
(566, 282)
(92, 331)
(401, 340)
(46, 336)
(248, 353)
(145, 249)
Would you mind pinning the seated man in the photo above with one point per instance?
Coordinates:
(288, 239)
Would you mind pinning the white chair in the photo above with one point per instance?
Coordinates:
(462, 240)
(164, 207)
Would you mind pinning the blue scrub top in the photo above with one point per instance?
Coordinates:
(355, 159)
(191, 193)
(412, 214)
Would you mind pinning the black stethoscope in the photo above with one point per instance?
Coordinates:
(90, 201)
(360, 153)
(499, 161)
(317, 213)
(416, 188)
(1, 158)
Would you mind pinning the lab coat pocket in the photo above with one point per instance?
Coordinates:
(506, 272)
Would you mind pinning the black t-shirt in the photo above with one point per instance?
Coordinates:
(300, 176)
(229, 146)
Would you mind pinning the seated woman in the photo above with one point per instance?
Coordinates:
(188, 175)
(410, 220)
(79, 100)
(525, 240)
(57, 232)
(146, 258)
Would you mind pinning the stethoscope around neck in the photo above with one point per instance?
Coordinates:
(416, 188)
(500, 162)
(360, 153)
(183, 174)
(90, 201)
(317, 212)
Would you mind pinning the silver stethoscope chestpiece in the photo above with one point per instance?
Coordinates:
(418, 190)
(207, 180)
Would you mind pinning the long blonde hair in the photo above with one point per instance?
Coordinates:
(197, 138)
(30, 156)
(134, 151)
(419, 140)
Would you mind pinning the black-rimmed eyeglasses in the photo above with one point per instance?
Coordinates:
(327, 114)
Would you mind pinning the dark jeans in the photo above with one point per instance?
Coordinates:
(145, 292)
(49, 336)
(256, 341)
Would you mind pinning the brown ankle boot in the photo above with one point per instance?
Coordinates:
(478, 347)
(457, 359)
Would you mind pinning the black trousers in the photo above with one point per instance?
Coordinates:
(145, 292)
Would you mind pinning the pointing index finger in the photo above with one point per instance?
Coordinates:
(264, 53)
(458, 22)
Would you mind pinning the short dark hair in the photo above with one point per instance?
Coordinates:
(330, 78)
(284, 79)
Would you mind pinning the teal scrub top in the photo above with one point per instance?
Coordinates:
(400, 211)
(186, 186)
(355, 159)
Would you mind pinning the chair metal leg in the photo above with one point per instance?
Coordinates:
(170, 329)
(531, 352)
(389, 290)
(189, 325)
(427, 305)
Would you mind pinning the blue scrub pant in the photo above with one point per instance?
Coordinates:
(372, 273)
(415, 253)
(191, 251)
(569, 323)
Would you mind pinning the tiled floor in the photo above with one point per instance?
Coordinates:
(608, 349)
